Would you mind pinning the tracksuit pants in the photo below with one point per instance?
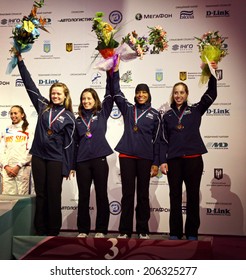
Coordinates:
(96, 171)
(47, 176)
(188, 171)
(135, 177)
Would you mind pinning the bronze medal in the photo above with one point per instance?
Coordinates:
(49, 131)
(135, 128)
(179, 126)
(88, 134)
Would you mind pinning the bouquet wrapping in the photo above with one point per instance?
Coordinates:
(131, 47)
(212, 48)
(125, 52)
(25, 34)
(138, 44)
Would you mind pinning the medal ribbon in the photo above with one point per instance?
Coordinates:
(87, 124)
(136, 117)
(55, 118)
(181, 116)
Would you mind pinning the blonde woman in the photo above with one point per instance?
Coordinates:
(52, 150)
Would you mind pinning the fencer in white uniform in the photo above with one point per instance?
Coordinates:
(14, 156)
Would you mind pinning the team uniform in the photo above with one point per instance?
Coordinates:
(15, 151)
(91, 150)
(182, 148)
(138, 150)
(52, 156)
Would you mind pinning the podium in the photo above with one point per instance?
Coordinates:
(16, 218)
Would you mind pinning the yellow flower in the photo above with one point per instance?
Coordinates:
(211, 47)
(28, 26)
(108, 27)
(105, 32)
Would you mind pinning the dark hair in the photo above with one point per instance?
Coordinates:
(172, 93)
(98, 105)
(25, 122)
(68, 100)
(142, 87)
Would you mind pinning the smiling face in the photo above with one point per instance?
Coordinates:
(179, 94)
(141, 96)
(87, 100)
(57, 95)
(16, 115)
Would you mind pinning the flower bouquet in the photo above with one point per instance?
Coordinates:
(105, 35)
(139, 45)
(106, 42)
(25, 34)
(211, 48)
(158, 38)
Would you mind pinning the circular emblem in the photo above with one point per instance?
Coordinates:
(138, 16)
(115, 113)
(115, 17)
(114, 208)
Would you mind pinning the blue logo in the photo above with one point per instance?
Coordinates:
(114, 208)
(115, 17)
(115, 114)
(19, 83)
(96, 78)
(186, 15)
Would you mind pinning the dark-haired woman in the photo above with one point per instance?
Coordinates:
(91, 150)
(52, 150)
(138, 151)
(15, 156)
(181, 156)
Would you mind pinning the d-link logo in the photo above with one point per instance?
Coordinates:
(218, 13)
(47, 82)
(218, 112)
(218, 212)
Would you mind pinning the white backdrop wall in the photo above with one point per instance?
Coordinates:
(223, 192)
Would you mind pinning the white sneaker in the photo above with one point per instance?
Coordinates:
(99, 235)
(82, 235)
(122, 235)
(144, 236)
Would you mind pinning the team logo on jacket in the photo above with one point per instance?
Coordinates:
(182, 75)
(61, 119)
(94, 118)
(69, 47)
(150, 116)
(187, 112)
